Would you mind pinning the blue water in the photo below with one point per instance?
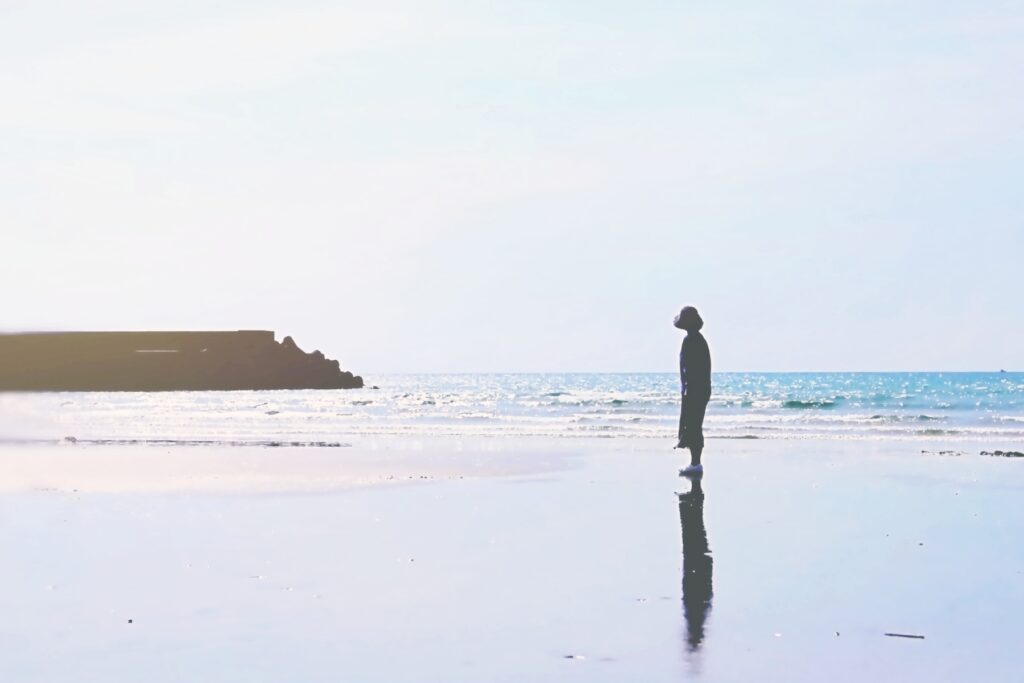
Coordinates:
(928, 406)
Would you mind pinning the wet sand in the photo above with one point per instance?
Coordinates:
(512, 560)
(242, 470)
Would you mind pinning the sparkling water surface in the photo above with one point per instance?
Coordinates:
(982, 406)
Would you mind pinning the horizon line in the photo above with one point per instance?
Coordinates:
(722, 372)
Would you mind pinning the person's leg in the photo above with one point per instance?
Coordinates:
(695, 428)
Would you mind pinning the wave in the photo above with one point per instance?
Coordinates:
(233, 443)
(824, 404)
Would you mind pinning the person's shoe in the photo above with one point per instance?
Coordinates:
(692, 471)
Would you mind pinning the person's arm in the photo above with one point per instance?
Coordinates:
(684, 359)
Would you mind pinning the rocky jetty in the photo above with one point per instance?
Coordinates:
(164, 361)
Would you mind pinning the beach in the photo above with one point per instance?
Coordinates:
(510, 559)
(517, 342)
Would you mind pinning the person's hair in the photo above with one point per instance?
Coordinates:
(689, 319)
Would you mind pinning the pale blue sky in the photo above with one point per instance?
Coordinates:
(528, 186)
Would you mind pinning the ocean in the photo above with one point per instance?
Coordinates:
(984, 407)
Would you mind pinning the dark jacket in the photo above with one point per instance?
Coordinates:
(695, 366)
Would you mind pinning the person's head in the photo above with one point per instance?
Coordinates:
(689, 319)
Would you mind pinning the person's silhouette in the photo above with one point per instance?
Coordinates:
(697, 565)
(695, 379)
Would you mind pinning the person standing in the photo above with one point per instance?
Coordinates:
(695, 378)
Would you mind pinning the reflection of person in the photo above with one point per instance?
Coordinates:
(696, 565)
(695, 377)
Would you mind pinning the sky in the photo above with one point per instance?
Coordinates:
(468, 186)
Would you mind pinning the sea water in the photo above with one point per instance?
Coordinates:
(927, 406)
